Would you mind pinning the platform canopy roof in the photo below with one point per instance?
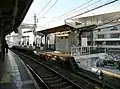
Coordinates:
(56, 29)
(12, 13)
(103, 17)
(97, 19)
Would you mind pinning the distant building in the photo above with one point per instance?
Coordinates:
(108, 32)
(13, 39)
(107, 36)
(27, 37)
(23, 37)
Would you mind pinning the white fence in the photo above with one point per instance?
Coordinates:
(80, 50)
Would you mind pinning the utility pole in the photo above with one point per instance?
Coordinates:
(35, 26)
(35, 21)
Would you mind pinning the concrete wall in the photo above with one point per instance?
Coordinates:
(62, 43)
(89, 60)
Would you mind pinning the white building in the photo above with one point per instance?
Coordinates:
(108, 30)
(13, 39)
(27, 37)
(108, 36)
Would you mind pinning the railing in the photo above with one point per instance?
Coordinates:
(81, 50)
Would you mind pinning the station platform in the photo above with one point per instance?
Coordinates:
(14, 74)
(114, 72)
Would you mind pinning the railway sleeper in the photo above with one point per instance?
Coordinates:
(43, 72)
(67, 87)
(39, 70)
(41, 87)
(48, 75)
(51, 78)
(35, 66)
(55, 84)
(59, 85)
(55, 81)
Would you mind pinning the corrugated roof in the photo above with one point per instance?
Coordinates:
(56, 29)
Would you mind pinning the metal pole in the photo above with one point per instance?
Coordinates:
(91, 38)
(80, 33)
(45, 46)
(55, 42)
(35, 28)
(2, 45)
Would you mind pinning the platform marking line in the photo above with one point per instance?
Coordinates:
(27, 82)
(5, 79)
(15, 73)
(31, 81)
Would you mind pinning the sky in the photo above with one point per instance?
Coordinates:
(62, 7)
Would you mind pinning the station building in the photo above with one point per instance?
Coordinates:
(84, 31)
(107, 30)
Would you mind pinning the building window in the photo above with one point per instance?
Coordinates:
(66, 37)
(114, 28)
(115, 35)
(97, 21)
(91, 20)
(27, 31)
(101, 36)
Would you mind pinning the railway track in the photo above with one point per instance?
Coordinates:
(46, 77)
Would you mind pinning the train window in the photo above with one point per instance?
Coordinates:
(61, 37)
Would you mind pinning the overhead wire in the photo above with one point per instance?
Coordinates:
(44, 7)
(116, 18)
(94, 8)
(49, 8)
(45, 1)
(61, 16)
(75, 8)
(91, 9)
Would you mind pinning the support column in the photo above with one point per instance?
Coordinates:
(55, 42)
(35, 41)
(46, 43)
(41, 41)
(80, 36)
(91, 38)
(2, 45)
(41, 44)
